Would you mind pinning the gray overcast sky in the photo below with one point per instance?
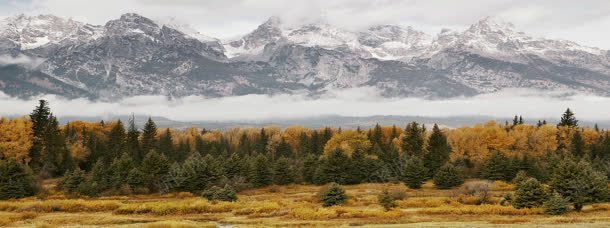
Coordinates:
(584, 21)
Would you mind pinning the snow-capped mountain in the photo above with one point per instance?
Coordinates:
(134, 55)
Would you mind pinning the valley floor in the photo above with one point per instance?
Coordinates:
(292, 205)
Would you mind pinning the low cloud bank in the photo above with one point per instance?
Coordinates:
(357, 102)
(22, 60)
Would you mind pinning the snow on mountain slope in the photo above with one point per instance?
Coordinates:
(494, 38)
(30, 32)
(134, 55)
(386, 42)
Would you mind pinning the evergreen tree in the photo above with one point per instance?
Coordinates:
(333, 195)
(120, 168)
(555, 205)
(97, 181)
(223, 194)
(495, 168)
(284, 173)
(413, 140)
(438, 151)
(568, 119)
(201, 172)
(448, 176)
(305, 145)
(133, 142)
(154, 167)
(117, 142)
(73, 179)
(283, 149)
(333, 168)
(359, 169)
(233, 166)
(391, 161)
(376, 135)
(166, 146)
(244, 145)
(520, 178)
(579, 183)
(263, 141)
(135, 178)
(56, 156)
(15, 180)
(40, 121)
(309, 168)
(149, 137)
(415, 173)
(529, 194)
(386, 200)
(260, 171)
(577, 145)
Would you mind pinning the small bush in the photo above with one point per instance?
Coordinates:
(398, 194)
(555, 205)
(223, 194)
(478, 191)
(334, 195)
(386, 200)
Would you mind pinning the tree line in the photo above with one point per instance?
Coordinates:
(111, 158)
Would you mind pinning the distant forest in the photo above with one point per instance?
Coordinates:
(113, 158)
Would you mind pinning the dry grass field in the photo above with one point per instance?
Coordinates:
(292, 205)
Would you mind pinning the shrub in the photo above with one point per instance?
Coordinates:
(386, 200)
(529, 194)
(481, 210)
(480, 190)
(334, 195)
(398, 194)
(223, 194)
(555, 205)
(448, 176)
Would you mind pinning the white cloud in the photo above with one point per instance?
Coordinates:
(23, 60)
(583, 21)
(358, 102)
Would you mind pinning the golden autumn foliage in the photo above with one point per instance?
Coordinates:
(476, 143)
(15, 138)
(348, 141)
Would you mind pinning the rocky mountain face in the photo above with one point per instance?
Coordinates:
(134, 55)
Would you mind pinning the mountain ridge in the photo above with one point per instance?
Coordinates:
(134, 55)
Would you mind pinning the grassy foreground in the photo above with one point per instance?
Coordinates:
(292, 205)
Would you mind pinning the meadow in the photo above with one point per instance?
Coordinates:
(292, 205)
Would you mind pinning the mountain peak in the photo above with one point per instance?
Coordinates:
(493, 24)
(132, 23)
(273, 21)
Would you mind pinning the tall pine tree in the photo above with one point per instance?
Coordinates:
(149, 137)
(568, 119)
(117, 142)
(133, 142)
(438, 151)
(40, 121)
(413, 140)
